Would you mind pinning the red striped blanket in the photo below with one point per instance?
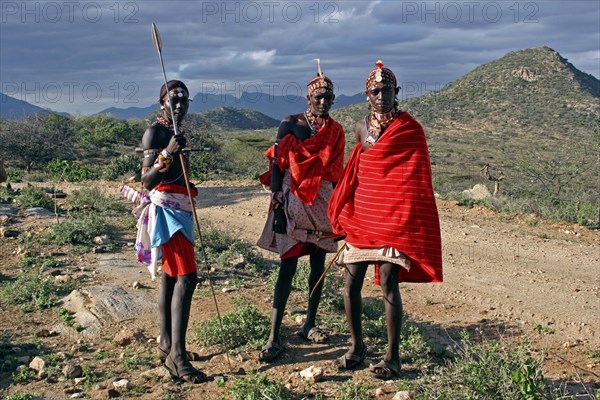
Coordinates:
(385, 198)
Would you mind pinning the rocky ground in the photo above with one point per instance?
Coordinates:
(505, 278)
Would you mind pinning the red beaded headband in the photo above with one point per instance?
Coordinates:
(381, 74)
(319, 82)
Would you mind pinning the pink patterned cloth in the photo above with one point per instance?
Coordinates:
(145, 214)
(305, 223)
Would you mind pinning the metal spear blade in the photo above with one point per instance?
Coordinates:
(156, 38)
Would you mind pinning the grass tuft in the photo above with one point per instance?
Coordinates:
(244, 327)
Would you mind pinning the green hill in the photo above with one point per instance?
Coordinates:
(230, 118)
(533, 89)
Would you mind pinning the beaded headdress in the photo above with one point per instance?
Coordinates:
(176, 89)
(319, 82)
(380, 74)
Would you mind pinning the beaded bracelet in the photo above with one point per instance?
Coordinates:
(163, 161)
(277, 200)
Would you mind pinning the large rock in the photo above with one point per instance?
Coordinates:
(122, 384)
(159, 373)
(117, 262)
(479, 192)
(403, 395)
(72, 370)
(37, 211)
(127, 336)
(7, 210)
(312, 374)
(95, 306)
(37, 364)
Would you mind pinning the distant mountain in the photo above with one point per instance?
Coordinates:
(343, 100)
(274, 106)
(11, 108)
(225, 119)
(131, 112)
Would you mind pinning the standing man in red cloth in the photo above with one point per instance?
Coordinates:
(385, 206)
(306, 160)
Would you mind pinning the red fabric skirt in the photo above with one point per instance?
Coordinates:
(299, 250)
(178, 256)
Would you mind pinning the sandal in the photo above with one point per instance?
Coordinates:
(315, 335)
(352, 360)
(270, 353)
(186, 373)
(162, 354)
(385, 370)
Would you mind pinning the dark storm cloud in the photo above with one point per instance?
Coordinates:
(100, 54)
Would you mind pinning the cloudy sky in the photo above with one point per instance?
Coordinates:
(85, 56)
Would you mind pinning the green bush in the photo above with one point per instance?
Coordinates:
(300, 280)
(6, 195)
(33, 291)
(45, 262)
(14, 175)
(413, 344)
(20, 396)
(244, 160)
(32, 196)
(124, 166)
(78, 229)
(104, 129)
(488, 371)
(221, 249)
(244, 327)
(332, 297)
(91, 198)
(258, 387)
(23, 376)
(205, 164)
(70, 171)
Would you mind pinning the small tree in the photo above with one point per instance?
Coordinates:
(36, 139)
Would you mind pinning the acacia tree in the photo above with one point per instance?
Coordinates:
(563, 180)
(36, 139)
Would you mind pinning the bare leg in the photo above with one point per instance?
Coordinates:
(177, 361)
(180, 313)
(317, 266)
(283, 288)
(164, 306)
(393, 310)
(353, 283)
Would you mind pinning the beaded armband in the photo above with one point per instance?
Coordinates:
(277, 200)
(163, 161)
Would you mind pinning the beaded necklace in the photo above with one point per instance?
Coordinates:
(377, 123)
(164, 122)
(167, 124)
(315, 122)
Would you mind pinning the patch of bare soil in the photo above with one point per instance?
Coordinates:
(505, 278)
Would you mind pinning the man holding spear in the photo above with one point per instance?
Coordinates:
(165, 223)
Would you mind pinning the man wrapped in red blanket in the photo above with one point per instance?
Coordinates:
(385, 206)
(305, 161)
